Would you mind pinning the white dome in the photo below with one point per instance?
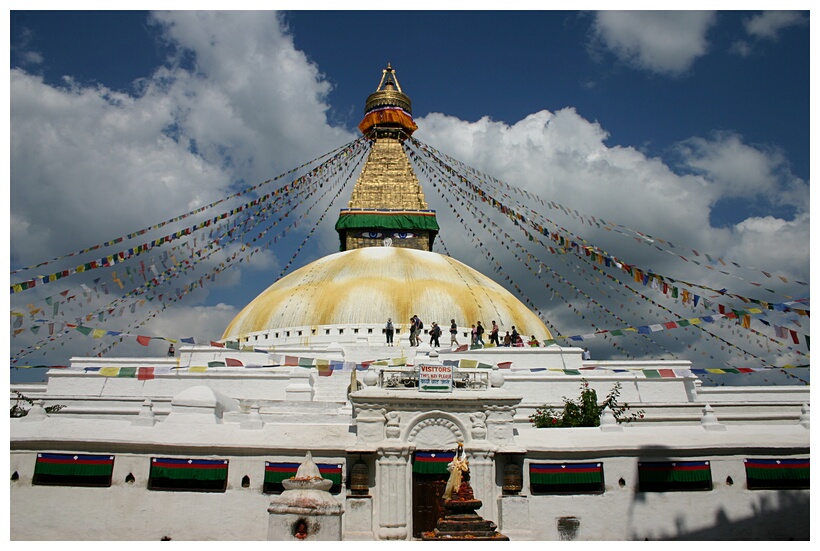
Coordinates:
(372, 284)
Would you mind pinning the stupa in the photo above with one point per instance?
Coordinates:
(305, 510)
(386, 236)
(215, 437)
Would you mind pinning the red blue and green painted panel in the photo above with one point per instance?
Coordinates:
(566, 478)
(432, 462)
(663, 476)
(775, 474)
(73, 469)
(168, 473)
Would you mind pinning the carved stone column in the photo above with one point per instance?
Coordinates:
(482, 479)
(392, 471)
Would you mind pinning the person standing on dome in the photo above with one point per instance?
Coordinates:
(473, 335)
(435, 333)
(479, 334)
(419, 325)
(507, 339)
(453, 332)
(516, 338)
(533, 341)
(388, 331)
(413, 341)
(494, 334)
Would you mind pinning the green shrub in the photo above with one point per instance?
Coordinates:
(584, 411)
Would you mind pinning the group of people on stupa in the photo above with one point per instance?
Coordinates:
(476, 334)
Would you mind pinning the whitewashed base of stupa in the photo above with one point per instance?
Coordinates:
(359, 518)
(514, 518)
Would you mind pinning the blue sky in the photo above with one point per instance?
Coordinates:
(698, 121)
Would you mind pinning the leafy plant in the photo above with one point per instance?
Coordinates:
(585, 410)
(19, 409)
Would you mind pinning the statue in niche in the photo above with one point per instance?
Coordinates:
(459, 469)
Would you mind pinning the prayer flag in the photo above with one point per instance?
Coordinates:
(144, 341)
(145, 373)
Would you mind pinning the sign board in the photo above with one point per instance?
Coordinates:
(435, 378)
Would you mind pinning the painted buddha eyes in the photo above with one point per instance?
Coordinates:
(379, 235)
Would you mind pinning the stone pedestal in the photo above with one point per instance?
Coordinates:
(514, 517)
(359, 518)
(320, 513)
(461, 522)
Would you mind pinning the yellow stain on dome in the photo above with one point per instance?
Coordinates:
(366, 286)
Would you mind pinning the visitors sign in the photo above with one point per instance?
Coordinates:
(435, 378)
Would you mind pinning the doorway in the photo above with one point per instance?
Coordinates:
(427, 501)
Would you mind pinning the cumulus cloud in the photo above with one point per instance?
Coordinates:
(767, 25)
(96, 161)
(663, 42)
(564, 158)
(736, 169)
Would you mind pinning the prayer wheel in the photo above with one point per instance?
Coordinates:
(359, 478)
(513, 479)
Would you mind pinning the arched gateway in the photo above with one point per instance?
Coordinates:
(411, 436)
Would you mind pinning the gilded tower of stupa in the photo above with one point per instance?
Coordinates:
(386, 236)
(387, 206)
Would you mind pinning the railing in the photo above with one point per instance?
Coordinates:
(403, 378)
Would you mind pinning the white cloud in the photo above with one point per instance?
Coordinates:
(769, 23)
(736, 169)
(563, 157)
(741, 48)
(664, 42)
(94, 161)
(203, 323)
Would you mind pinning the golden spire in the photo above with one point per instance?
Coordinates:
(387, 205)
(388, 110)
